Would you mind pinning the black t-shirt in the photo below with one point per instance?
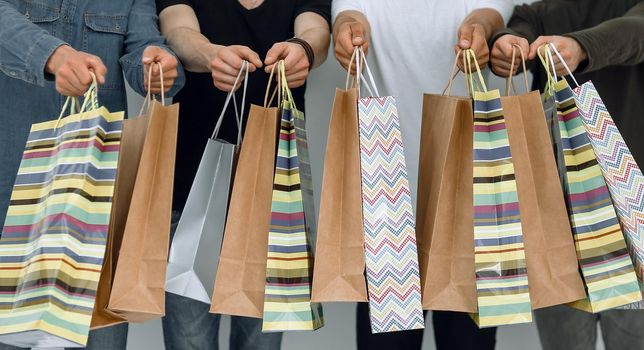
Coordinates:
(227, 22)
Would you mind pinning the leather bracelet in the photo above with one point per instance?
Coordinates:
(308, 49)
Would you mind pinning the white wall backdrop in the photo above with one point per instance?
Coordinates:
(339, 332)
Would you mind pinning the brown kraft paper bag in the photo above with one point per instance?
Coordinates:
(138, 290)
(132, 141)
(241, 275)
(445, 211)
(553, 274)
(338, 274)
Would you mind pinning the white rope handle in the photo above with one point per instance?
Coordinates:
(231, 95)
(554, 49)
(373, 88)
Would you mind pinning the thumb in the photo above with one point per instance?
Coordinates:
(536, 45)
(275, 53)
(465, 37)
(357, 34)
(150, 54)
(252, 57)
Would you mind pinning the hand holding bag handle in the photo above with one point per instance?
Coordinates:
(509, 82)
(90, 101)
(231, 95)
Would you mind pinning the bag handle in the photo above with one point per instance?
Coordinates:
(561, 59)
(360, 60)
(468, 56)
(231, 95)
(145, 107)
(509, 81)
(276, 90)
(90, 101)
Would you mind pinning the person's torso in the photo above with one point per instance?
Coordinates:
(226, 22)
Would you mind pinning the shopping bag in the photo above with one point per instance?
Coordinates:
(289, 266)
(622, 174)
(54, 238)
(338, 275)
(194, 253)
(549, 248)
(138, 289)
(241, 274)
(499, 254)
(606, 268)
(391, 257)
(445, 214)
(132, 141)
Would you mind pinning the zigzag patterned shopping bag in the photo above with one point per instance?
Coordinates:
(289, 267)
(53, 242)
(391, 255)
(621, 172)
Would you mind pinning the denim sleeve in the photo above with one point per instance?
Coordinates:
(25, 48)
(143, 31)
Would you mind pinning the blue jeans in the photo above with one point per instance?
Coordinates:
(109, 338)
(562, 327)
(189, 326)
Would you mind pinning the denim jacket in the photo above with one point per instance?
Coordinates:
(117, 31)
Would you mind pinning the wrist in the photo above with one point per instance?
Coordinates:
(57, 58)
(308, 49)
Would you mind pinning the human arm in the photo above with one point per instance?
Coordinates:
(476, 29)
(180, 25)
(314, 30)
(350, 30)
(616, 42)
(144, 46)
(30, 53)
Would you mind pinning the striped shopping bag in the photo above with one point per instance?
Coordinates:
(289, 265)
(606, 267)
(53, 242)
(499, 253)
(622, 174)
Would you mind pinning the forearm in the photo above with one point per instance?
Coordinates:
(488, 19)
(143, 32)
(25, 48)
(313, 28)
(193, 48)
(619, 41)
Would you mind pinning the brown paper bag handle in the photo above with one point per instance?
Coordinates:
(509, 82)
(276, 91)
(145, 108)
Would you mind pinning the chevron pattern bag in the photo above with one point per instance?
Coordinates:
(622, 174)
(393, 277)
(53, 241)
(289, 266)
(499, 253)
(606, 267)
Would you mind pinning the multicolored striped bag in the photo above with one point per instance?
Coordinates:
(499, 253)
(289, 266)
(53, 242)
(606, 267)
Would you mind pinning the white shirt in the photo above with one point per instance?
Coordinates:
(411, 52)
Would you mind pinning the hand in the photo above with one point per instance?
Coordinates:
(501, 56)
(569, 49)
(296, 63)
(72, 70)
(346, 38)
(472, 36)
(155, 54)
(227, 62)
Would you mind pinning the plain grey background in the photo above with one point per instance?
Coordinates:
(339, 331)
